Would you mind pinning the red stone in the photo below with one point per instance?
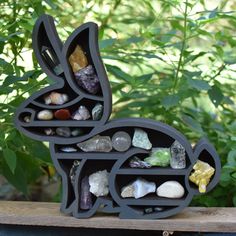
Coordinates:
(62, 114)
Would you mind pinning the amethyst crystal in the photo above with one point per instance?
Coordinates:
(85, 196)
(87, 79)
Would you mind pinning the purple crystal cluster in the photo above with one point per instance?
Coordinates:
(87, 79)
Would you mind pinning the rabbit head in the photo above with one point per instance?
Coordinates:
(69, 94)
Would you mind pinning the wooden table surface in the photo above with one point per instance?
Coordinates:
(194, 219)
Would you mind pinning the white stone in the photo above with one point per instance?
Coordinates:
(98, 182)
(139, 188)
(170, 189)
(45, 115)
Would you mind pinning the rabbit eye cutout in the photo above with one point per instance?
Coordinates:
(80, 100)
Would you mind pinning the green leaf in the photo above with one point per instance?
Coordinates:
(116, 71)
(106, 43)
(215, 95)
(199, 84)
(170, 100)
(10, 158)
(192, 123)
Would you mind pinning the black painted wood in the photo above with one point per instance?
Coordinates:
(160, 135)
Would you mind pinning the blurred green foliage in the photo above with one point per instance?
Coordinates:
(169, 60)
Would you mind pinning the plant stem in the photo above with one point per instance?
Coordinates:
(176, 79)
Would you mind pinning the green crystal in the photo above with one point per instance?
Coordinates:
(159, 157)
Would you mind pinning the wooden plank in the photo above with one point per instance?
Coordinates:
(194, 219)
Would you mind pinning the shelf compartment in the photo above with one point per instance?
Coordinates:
(151, 171)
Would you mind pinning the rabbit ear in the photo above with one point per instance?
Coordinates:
(47, 46)
(204, 151)
(86, 37)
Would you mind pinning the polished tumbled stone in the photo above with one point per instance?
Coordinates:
(45, 115)
(97, 111)
(121, 141)
(96, 144)
(141, 140)
(63, 132)
(170, 189)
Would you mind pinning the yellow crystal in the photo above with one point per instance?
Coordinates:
(201, 175)
(77, 59)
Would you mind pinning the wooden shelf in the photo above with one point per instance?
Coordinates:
(191, 219)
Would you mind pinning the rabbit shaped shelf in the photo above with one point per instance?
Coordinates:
(137, 168)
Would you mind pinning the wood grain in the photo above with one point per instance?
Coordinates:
(194, 219)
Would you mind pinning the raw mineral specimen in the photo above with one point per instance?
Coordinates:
(63, 131)
(62, 114)
(170, 189)
(56, 98)
(85, 195)
(148, 210)
(88, 80)
(81, 114)
(45, 115)
(97, 111)
(73, 169)
(138, 188)
(68, 149)
(140, 139)
(98, 182)
(178, 158)
(121, 141)
(77, 59)
(96, 144)
(136, 162)
(201, 175)
(159, 157)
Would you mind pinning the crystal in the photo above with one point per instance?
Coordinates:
(63, 131)
(98, 182)
(159, 157)
(52, 60)
(96, 144)
(85, 195)
(178, 159)
(56, 98)
(81, 114)
(201, 175)
(97, 111)
(140, 139)
(62, 114)
(135, 162)
(137, 189)
(76, 132)
(68, 149)
(49, 131)
(121, 141)
(73, 169)
(170, 189)
(78, 59)
(88, 80)
(45, 115)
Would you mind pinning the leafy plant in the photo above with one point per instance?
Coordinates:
(172, 61)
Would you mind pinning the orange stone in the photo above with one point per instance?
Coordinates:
(62, 114)
(77, 59)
